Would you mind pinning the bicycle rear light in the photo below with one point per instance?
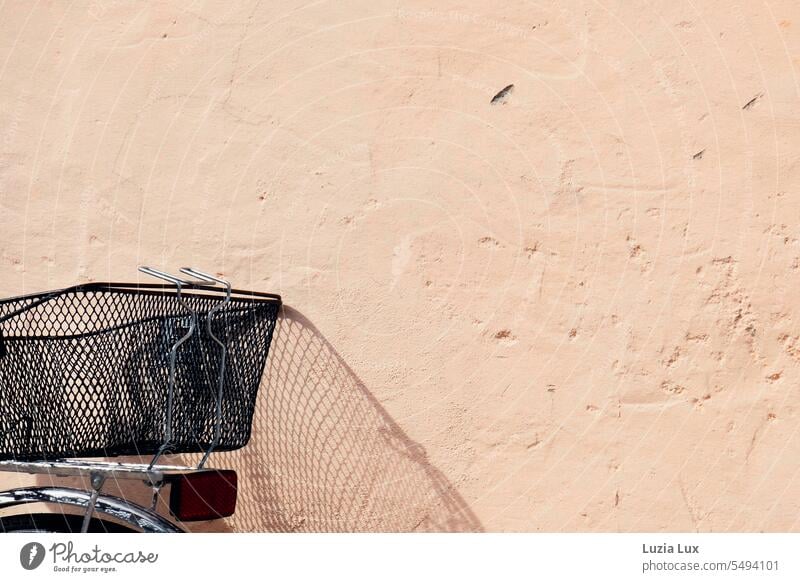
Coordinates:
(209, 494)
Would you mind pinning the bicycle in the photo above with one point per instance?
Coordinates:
(113, 369)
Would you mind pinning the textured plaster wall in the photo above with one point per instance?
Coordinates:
(571, 306)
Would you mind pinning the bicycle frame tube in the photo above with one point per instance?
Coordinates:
(132, 514)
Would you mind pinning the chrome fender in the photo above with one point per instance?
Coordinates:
(135, 515)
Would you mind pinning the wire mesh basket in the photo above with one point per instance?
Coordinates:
(86, 371)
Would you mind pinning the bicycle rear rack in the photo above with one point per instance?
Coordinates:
(155, 476)
(105, 469)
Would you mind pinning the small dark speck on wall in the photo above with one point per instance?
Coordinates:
(752, 101)
(502, 95)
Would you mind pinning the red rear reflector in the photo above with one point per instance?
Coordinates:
(209, 494)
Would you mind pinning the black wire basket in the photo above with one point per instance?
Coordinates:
(85, 371)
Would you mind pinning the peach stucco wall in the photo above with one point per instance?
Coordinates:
(570, 307)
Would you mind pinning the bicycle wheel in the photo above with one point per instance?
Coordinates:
(57, 523)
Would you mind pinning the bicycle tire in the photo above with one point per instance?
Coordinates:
(57, 523)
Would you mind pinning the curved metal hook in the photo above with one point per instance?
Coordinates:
(223, 348)
(179, 283)
(163, 276)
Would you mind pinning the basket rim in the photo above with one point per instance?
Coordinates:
(149, 289)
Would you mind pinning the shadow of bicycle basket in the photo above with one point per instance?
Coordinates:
(326, 456)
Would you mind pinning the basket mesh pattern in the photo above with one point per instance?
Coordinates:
(85, 371)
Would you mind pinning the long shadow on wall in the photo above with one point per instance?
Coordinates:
(326, 456)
